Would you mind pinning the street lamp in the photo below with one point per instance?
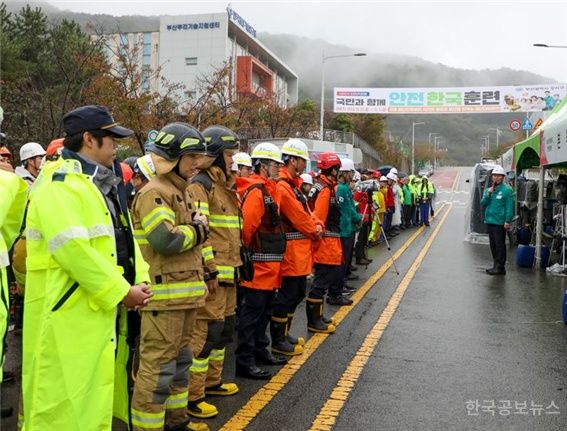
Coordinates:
(497, 135)
(324, 58)
(435, 149)
(429, 139)
(483, 147)
(487, 137)
(413, 146)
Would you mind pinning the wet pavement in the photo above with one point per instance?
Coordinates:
(461, 351)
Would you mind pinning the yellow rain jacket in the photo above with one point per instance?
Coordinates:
(74, 374)
(12, 209)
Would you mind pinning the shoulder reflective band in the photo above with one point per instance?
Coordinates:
(78, 232)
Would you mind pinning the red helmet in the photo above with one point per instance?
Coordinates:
(328, 160)
(127, 172)
(55, 147)
(376, 174)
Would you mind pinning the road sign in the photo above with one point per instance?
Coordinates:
(515, 125)
(538, 123)
(527, 124)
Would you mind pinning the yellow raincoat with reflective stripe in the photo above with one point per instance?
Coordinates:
(74, 285)
(12, 208)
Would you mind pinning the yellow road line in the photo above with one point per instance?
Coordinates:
(330, 411)
(456, 181)
(242, 418)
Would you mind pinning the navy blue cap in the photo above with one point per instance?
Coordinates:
(93, 117)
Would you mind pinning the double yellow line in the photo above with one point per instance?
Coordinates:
(328, 414)
(242, 418)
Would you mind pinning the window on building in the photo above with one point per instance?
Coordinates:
(191, 61)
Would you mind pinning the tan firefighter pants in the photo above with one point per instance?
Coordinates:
(208, 341)
(160, 390)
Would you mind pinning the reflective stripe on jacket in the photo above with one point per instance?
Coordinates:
(177, 279)
(74, 286)
(221, 251)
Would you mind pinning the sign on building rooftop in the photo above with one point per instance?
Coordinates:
(450, 100)
(240, 22)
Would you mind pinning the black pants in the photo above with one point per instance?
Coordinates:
(407, 215)
(362, 240)
(253, 319)
(497, 237)
(326, 278)
(348, 246)
(289, 295)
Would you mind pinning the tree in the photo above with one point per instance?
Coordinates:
(342, 122)
(44, 74)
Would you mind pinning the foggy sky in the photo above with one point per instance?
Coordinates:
(468, 35)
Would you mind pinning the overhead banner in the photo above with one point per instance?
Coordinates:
(451, 100)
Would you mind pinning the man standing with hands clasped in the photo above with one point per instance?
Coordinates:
(498, 203)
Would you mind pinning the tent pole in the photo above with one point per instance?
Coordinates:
(539, 218)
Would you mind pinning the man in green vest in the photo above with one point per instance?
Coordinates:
(498, 203)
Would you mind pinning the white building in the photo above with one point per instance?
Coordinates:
(190, 46)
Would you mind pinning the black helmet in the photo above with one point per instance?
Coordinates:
(131, 161)
(177, 139)
(220, 138)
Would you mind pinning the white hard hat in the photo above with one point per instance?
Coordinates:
(296, 147)
(392, 176)
(347, 165)
(393, 171)
(307, 179)
(383, 179)
(31, 149)
(498, 170)
(242, 159)
(266, 150)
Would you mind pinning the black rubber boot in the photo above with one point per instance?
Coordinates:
(314, 308)
(280, 343)
(293, 340)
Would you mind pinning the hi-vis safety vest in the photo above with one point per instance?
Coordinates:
(211, 194)
(74, 360)
(12, 209)
(177, 280)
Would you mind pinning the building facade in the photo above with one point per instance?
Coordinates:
(192, 46)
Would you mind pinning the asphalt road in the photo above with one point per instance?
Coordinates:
(439, 346)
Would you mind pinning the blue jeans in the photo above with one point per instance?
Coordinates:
(424, 212)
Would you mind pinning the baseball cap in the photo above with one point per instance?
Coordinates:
(93, 117)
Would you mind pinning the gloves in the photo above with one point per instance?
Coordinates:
(201, 231)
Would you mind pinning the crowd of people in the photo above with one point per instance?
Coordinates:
(137, 274)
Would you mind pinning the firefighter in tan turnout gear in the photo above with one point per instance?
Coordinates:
(170, 233)
(212, 191)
